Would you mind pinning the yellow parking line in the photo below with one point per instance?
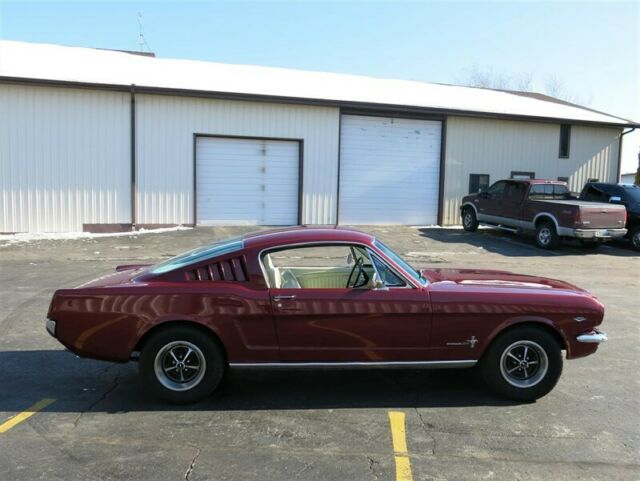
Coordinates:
(399, 438)
(26, 414)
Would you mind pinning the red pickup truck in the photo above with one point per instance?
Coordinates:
(545, 207)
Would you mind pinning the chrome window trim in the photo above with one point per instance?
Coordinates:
(266, 250)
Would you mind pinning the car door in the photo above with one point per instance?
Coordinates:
(489, 203)
(330, 323)
(511, 207)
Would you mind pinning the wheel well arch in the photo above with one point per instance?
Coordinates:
(545, 216)
(179, 323)
(543, 326)
(469, 204)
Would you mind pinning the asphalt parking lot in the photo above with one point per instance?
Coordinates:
(99, 424)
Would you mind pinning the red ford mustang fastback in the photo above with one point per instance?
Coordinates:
(323, 298)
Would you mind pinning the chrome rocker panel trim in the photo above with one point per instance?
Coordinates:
(355, 365)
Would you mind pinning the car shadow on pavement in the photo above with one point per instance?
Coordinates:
(84, 385)
(515, 245)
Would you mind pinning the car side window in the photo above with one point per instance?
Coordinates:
(329, 266)
(388, 277)
(514, 191)
(497, 189)
(595, 195)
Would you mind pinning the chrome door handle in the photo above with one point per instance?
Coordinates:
(283, 297)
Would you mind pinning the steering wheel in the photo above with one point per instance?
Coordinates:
(359, 267)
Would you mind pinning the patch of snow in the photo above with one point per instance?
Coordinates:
(12, 239)
(75, 64)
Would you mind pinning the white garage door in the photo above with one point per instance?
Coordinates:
(246, 181)
(389, 170)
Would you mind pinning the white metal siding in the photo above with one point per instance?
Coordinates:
(389, 170)
(246, 181)
(498, 147)
(166, 126)
(64, 158)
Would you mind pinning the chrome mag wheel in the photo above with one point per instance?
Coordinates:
(180, 365)
(544, 236)
(467, 220)
(524, 364)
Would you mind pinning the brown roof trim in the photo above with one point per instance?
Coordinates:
(304, 101)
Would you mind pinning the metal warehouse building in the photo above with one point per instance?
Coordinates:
(103, 140)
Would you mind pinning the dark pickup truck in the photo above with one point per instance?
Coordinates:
(545, 207)
(623, 194)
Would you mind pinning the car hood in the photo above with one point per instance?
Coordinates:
(493, 278)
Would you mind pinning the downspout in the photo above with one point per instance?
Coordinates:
(620, 153)
(443, 161)
(133, 157)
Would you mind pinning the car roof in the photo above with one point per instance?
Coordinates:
(305, 234)
(544, 181)
(613, 184)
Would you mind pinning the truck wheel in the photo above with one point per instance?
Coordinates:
(469, 220)
(635, 238)
(546, 235)
(523, 364)
(182, 365)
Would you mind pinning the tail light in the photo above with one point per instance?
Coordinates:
(577, 220)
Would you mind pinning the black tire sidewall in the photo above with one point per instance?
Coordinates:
(210, 349)
(474, 224)
(553, 242)
(490, 364)
(634, 233)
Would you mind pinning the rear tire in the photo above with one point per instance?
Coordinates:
(469, 219)
(182, 364)
(523, 364)
(635, 238)
(547, 236)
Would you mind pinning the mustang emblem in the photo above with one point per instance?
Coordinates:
(471, 342)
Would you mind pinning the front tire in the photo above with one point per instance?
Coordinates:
(182, 364)
(469, 220)
(523, 364)
(635, 238)
(547, 236)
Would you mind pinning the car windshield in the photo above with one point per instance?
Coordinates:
(401, 262)
(201, 253)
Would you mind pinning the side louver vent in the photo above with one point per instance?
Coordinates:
(227, 270)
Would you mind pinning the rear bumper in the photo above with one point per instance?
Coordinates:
(593, 336)
(596, 234)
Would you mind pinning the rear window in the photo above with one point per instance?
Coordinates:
(549, 192)
(200, 254)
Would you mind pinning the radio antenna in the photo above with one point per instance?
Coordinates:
(142, 42)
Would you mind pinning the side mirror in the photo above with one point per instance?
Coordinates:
(484, 194)
(377, 282)
(615, 199)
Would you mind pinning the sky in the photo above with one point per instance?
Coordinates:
(590, 49)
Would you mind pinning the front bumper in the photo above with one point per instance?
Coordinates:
(592, 337)
(599, 233)
(51, 327)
